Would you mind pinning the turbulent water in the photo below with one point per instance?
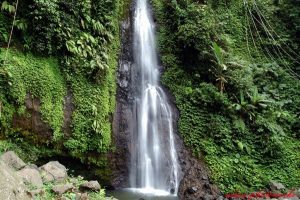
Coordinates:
(154, 165)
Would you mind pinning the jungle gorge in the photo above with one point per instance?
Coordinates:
(158, 99)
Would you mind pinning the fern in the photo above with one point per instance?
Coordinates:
(8, 7)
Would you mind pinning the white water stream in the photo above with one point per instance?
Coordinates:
(154, 166)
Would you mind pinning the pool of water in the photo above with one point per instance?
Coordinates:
(140, 194)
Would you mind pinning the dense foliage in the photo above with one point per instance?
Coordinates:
(232, 67)
(61, 49)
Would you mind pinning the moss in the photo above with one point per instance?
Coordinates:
(94, 103)
(243, 153)
(28, 152)
(48, 78)
(41, 78)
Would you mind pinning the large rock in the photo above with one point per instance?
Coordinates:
(110, 198)
(298, 193)
(12, 160)
(91, 185)
(36, 193)
(275, 186)
(61, 189)
(11, 186)
(31, 177)
(53, 172)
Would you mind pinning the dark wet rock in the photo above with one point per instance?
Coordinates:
(194, 170)
(34, 123)
(53, 172)
(12, 160)
(119, 160)
(31, 177)
(61, 189)
(91, 185)
(192, 190)
(68, 111)
(172, 191)
(275, 186)
(123, 83)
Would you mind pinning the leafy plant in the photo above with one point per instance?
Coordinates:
(220, 67)
(8, 7)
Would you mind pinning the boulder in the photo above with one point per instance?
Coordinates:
(112, 198)
(220, 198)
(298, 193)
(12, 160)
(275, 186)
(32, 166)
(78, 196)
(35, 193)
(192, 190)
(84, 196)
(204, 177)
(208, 197)
(81, 196)
(11, 185)
(31, 177)
(61, 189)
(53, 172)
(91, 185)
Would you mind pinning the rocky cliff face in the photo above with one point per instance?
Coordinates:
(195, 182)
(123, 113)
(33, 123)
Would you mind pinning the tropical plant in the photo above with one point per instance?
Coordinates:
(251, 104)
(11, 9)
(220, 66)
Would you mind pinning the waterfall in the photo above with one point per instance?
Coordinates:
(154, 162)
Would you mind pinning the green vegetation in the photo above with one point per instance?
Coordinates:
(75, 182)
(38, 77)
(232, 68)
(60, 49)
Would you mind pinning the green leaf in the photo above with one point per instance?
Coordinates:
(4, 5)
(240, 145)
(218, 52)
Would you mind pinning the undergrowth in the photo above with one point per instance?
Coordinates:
(238, 99)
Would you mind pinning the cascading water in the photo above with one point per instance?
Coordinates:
(154, 165)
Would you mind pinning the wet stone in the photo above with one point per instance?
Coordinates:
(192, 190)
